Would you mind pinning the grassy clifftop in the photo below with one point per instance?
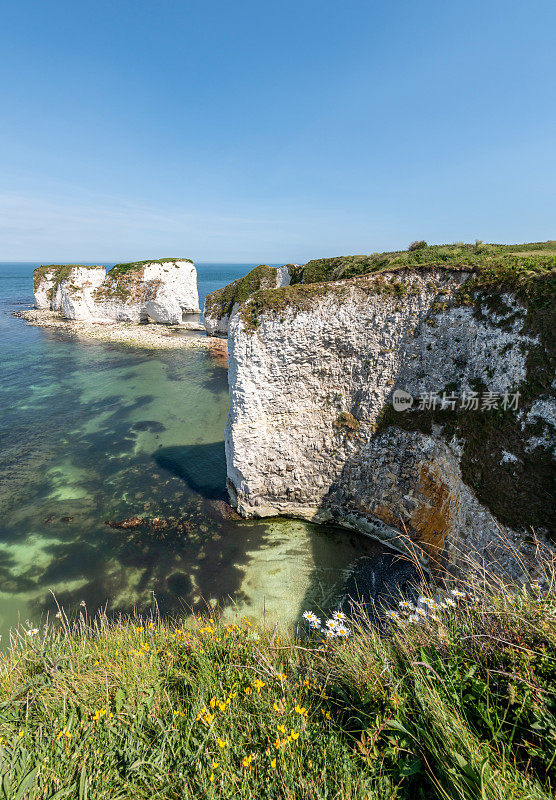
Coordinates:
(220, 303)
(138, 266)
(455, 256)
(527, 270)
(458, 704)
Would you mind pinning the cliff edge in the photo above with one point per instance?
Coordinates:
(416, 397)
(222, 304)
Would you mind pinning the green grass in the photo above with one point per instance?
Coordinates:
(528, 271)
(463, 707)
(477, 256)
(220, 303)
(134, 266)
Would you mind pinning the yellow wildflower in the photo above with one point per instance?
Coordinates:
(211, 779)
(222, 743)
(294, 735)
(276, 707)
(215, 764)
(248, 690)
(273, 763)
(281, 728)
(247, 760)
(300, 710)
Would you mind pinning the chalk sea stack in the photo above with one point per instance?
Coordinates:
(163, 291)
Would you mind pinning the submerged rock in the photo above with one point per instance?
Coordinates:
(149, 425)
(129, 522)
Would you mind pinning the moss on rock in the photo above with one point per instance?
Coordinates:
(220, 303)
(56, 272)
(138, 266)
(519, 493)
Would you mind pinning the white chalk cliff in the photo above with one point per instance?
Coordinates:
(312, 432)
(222, 304)
(163, 291)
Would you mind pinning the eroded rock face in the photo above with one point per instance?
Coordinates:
(312, 432)
(160, 291)
(157, 291)
(44, 288)
(48, 282)
(75, 294)
(223, 304)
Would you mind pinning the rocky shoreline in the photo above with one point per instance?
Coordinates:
(152, 336)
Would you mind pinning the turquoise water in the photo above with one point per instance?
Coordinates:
(91, 432)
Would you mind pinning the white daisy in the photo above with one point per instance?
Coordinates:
(342, 631)
(414, 618)
(405, 605)
(32, 631)
(331, 624)
(339, 615)
(457, 593)
(425, 600)
(393, 615)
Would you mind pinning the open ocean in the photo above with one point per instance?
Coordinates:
(93, 431)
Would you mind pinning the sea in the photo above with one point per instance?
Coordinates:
(95, 432)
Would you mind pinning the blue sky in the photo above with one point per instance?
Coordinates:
(273, 131)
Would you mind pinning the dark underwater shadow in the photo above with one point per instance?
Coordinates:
(201, 466)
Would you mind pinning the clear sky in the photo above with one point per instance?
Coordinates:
(273, 131)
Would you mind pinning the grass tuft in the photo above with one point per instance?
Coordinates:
(458, 705)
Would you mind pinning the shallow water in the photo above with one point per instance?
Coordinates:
(91, 432)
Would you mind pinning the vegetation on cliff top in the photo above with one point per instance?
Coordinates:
(220, 303)
(138, 266)
(457, 704)
(58, 273)
(518, 494)
(124, 282)
(477, 256)
(527, 270)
